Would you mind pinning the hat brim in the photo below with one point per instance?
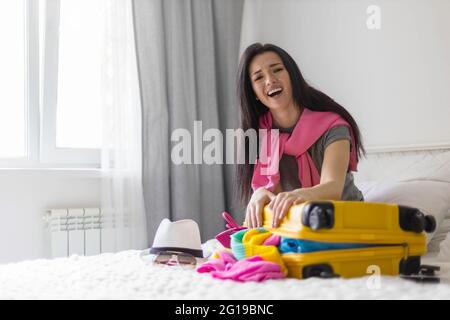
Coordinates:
(196, 253)
(148, 257)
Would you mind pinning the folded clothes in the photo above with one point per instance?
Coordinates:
(226, 267)
(288, 245)
(254, 256)
(246, 243)
(252, 242)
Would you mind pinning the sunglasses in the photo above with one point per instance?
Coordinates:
(175, 258)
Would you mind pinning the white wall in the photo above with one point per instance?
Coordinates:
(24, 197)
(395, 81)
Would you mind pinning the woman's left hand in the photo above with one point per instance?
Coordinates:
(283, 201)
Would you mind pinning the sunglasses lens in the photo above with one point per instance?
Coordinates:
(163, 258)
(186, 259)
(174, 258)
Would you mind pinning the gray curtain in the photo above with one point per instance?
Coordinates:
(187, 60)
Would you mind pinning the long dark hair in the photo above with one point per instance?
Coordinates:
(250, 109)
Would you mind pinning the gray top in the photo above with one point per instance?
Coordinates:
(289, 169)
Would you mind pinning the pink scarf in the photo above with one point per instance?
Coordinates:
(309, 128)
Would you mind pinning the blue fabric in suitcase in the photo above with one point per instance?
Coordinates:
(288, 245)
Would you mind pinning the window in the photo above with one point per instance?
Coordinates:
(71, 131)
(51, 73)
(12, 79)
(79, 95)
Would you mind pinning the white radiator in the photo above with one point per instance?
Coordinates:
(80, 231)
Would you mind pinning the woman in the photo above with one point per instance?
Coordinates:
(320, 142)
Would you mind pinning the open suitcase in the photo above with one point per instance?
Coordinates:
(395, 236)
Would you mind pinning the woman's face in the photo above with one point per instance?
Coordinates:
(270, 81)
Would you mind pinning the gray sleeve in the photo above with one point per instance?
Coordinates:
(317, 151)
(334, 134)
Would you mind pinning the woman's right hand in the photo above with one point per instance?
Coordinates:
(254, 214)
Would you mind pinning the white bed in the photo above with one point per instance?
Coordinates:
(124, 275)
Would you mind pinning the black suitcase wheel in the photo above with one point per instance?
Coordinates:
(426, 273)
(410, 266)
(412, 219)
(327, 275)
(422, 278)
(428, 270)
(430, 224)
(418, 222)
(317, 218)
(324, 271)
(318, 215)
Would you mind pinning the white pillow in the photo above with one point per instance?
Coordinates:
(404, 166)
(439, 236)
(443, 240)
(431, 197)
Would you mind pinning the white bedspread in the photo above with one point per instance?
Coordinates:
(123, 275)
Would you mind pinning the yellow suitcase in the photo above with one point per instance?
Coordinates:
(397, 231)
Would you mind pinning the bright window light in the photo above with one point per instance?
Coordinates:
(12, 79)
(79, 74)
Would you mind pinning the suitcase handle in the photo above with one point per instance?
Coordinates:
(232, 227)
(230, 222)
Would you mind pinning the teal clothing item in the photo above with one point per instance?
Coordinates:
(236, 243)
(288, 245)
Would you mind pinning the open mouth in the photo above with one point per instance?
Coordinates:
(274, 92)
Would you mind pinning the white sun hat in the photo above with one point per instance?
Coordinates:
(181, 236)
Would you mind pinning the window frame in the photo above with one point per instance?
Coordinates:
(50, 153)
(41, 97)
(31, 91)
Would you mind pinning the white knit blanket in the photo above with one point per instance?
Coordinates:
(124, 275)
